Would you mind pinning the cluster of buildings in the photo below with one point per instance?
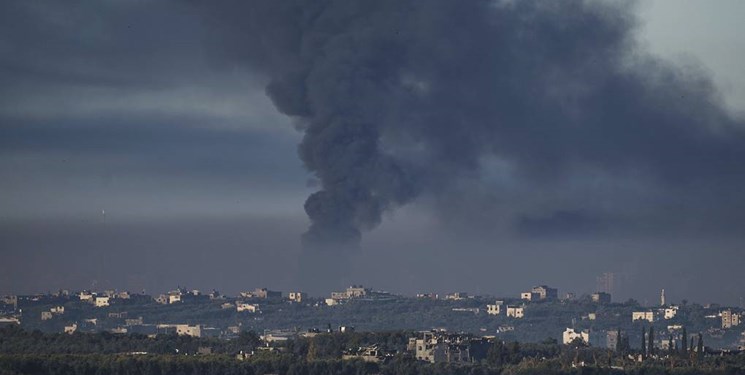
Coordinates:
(444, 347)
(540, 293)
(53, 311)
(356, 292)
(103, 299)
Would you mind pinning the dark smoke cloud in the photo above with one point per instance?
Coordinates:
(402, 98)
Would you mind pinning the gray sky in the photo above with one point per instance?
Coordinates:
(159, 118)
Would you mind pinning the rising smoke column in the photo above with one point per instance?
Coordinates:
(402, 97)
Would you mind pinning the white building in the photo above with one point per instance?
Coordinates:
(102, 301)
(57, 310)
(86, 296)
(248, 307)
(174, 298)
(331, 301)
(570, 335)
(517, 312)
(670, 312)
(494, 309)
(457, 296)
(643, 315)
(529, 296)
(71, 328)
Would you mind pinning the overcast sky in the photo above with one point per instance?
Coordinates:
(139, 149)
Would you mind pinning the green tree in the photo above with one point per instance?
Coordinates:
(644, 342)
(650, 345)
(684, 340)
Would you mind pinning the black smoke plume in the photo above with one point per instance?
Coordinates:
(397, 98)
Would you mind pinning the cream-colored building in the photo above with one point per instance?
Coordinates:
(246, 307)
(354, 291)
(182, 329)
(494, 309)
(643, 315)
(102, 301)
(529, 296)
(730, 319)
(517, 312)
(457, 296)
(86, 296)
(297, 296)
(71, 328)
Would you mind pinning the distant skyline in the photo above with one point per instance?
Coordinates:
(155, 114)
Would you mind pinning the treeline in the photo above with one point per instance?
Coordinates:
(23, 352)
(95, 364)
(14, 340)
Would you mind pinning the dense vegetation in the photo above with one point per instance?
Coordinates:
(23, 352)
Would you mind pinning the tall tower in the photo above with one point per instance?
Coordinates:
(662, 298)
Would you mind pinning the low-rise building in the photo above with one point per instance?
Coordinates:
(297, 296)
(134, 322)
(529, 296)
(570, 334)
(262, 293)
(102, 301)
(180, 329)
(670, 312)
(643, 315)
(86, 296)
(494, 309)
(474, 310)
(517, 312)
(457, 296)
(439, 347)
(10, 300)
(46, 315)
(367, 353)
(354, 291)
(9, 321)
(730, 319)
(71, 328)
(57, 310)
(246, 307)
(546, 293)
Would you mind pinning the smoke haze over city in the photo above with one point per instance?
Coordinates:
(484, 146)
